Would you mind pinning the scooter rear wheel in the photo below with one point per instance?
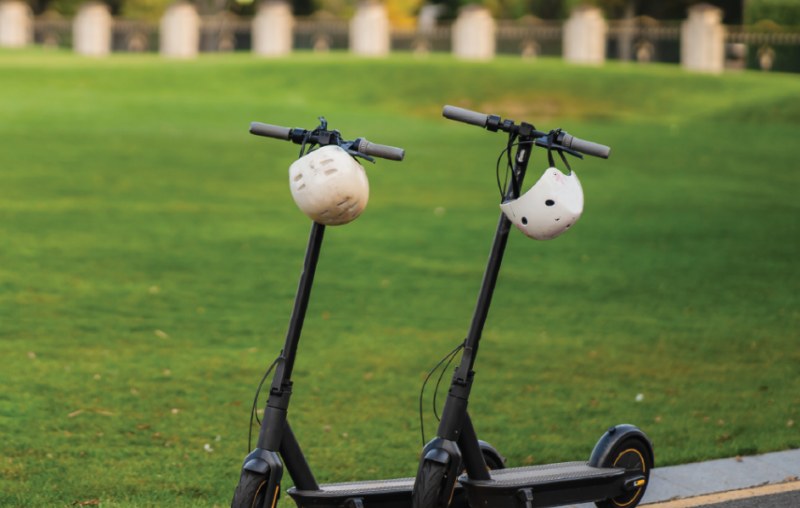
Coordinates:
(633, 455)
(428, 486)
(252, 491)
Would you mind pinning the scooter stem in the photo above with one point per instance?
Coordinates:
(493, 266)
(274, 421)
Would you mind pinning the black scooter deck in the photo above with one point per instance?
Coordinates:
(386, 493)
(373, 494)
(551, 485)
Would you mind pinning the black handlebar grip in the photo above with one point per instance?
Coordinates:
(586, 147)
(382, 151)
(270, 131)
(465, 115)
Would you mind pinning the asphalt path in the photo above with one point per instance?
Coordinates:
(782, 500)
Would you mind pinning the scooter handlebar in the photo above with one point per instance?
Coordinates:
(382, 151)
(465, 115)
(586, 147)
(270, 131)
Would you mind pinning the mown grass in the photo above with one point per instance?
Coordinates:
(132, 200)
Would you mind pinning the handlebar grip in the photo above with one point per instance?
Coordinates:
(465, 115)
(382, 151)
(586, 147)
(270, 131)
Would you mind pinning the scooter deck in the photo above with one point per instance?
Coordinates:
(386, 493)
(372, 494)
(550, 485)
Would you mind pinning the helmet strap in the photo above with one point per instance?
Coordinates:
(551, 137)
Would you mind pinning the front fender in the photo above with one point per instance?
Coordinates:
(444, 452)
(612, 437)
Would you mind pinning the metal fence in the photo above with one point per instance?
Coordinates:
(642, 38)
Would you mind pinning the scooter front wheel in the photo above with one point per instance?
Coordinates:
(252, 491)
(632, 455)
(428, 485)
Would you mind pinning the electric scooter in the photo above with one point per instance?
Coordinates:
(618, 469)
(260, 477)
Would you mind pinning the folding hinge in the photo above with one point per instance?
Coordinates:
(527, 497)
(354, 502)
(462, 373)
(278, 383)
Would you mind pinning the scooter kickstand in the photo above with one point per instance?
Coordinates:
(527, 497)
(354, 502)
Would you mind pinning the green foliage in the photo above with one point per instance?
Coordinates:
(145, 9)
(782, 12)
(132, 199)
(64, 7)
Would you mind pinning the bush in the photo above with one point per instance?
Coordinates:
(782, 12)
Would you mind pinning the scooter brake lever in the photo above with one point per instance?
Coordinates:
(359, 154)
(543, 143)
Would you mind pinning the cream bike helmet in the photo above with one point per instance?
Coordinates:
(555, 202)
(328, 184)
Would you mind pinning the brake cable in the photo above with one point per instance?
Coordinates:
(255, 403)
(449, 355)
(551, 137)
(436, 390)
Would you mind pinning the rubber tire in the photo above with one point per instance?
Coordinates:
(428, 485)
(251, 491)
(633, 454)
(491, 464)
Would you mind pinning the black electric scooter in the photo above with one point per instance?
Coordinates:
(618, 470)
(260, 478)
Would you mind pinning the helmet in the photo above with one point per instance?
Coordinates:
(549, 208)
(329, 186)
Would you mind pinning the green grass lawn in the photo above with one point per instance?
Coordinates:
(132, 199)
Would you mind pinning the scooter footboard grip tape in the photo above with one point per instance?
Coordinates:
(590, 148)
(383, 151)
(465, 115)
(270, 131)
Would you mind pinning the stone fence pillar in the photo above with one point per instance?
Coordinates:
(180, 31)
(703, 39)
(16, 24)
(473, 33)
(272, 29)
(91, 29)
(369, 30)
(585, 36)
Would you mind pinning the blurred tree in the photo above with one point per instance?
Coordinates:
(781, 12)
(144, 9)
(559, 9)
(70, 7)
(403, 12)
(547, 9)
(303, 7)
(662, 9)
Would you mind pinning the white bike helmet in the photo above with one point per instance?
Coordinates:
(549, 208)
(329, 186)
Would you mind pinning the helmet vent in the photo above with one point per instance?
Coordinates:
(343, 202)
(549, 202)
(325, 212)
(302, 187)
(329, 171)
(353, 205)
(568, 225)
(298, 177)
(326, 161)
(524, 221)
